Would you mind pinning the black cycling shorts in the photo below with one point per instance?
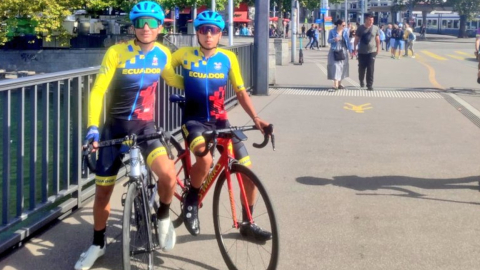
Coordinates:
(109, 158)
(192, 131)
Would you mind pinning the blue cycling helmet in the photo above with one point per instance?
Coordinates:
(147, 9)
(209, 17)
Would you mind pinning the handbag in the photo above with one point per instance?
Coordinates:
(338, 54)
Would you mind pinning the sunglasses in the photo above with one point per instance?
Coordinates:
(204, 29)
(151, 22)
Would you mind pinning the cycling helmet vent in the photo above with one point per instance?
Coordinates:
(147, 9)
(209, 17)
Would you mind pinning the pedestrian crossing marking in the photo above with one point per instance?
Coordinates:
(456, 57)
(435, 56)
(464, 53)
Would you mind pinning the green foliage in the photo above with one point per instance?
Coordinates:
(46, 15)
(467, 8)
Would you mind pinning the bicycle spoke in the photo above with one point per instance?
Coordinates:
(241, 248)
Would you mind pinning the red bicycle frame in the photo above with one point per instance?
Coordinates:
(221, 165)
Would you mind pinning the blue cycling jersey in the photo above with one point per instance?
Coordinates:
(205, 82)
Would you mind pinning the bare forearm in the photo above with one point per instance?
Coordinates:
(246, 103)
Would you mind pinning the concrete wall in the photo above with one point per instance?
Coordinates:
(50, 60)
(283, 57)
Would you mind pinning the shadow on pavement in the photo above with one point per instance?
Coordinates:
(197, 264)
(395, 183)
(63, 241)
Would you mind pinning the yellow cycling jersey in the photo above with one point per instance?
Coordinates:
(131, 77)
(206, 80)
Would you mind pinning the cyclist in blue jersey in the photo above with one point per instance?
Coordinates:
(206, 71)
(131, 71)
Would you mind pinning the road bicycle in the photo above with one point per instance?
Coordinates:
(140, 202)
(239, 250)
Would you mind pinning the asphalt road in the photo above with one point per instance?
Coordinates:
(360, 180)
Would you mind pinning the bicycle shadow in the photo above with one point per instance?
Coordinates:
(59, 245)
(395, 183)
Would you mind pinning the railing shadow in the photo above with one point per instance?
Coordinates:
(402, 184)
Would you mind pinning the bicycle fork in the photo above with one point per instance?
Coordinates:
(243, 198)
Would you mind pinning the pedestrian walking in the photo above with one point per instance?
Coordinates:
(286, 29)
(423, 31)
(397, 35)
(337, 63)
(352, 35)
(303, 30)
(368, 41)
(388, 37)
(381, 34)
(316, 35)
(410, 38)
(310, 35)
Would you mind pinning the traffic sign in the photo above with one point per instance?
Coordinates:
(177, 13)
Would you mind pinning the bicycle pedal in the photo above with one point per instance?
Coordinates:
(124, 197)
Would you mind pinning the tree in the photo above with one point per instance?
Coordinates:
(45, 15)
(466, 9)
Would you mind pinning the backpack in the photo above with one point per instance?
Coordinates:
(411, 37)
(395, 33)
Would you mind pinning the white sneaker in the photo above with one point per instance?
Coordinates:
(166, 234)
(88, 258)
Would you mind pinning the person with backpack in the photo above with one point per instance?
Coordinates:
(310, 35)
(368, 42)
(397, 35)
(409, 38)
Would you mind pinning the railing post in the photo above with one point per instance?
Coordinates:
(66, 134)
(33, 146)
(76, 138)
(7, 99)
(45, 139)
(20, 151)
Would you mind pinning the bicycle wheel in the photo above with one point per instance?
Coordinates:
(180, 169)
(136, 232)
(241, 252)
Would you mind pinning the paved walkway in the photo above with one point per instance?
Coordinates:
(360, 180)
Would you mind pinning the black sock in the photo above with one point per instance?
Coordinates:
(244, 213)
(163, 211)
(192, 196)
(99, 237)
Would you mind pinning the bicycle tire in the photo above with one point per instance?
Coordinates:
(136, 214)
(176, 214)
(229, 237)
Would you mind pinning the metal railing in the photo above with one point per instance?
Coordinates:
(44, 118)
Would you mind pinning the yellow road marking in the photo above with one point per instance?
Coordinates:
(466, 54)
(431, 73)
(357, 109)
(456, 57)
(435, 56)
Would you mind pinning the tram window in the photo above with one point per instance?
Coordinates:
(429, 22)
(419, 22)
(455, 24)
(444, 23)
(449, 24)
(434, 22)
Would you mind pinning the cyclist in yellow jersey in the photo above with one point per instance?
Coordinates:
(131, 71)
(206, 71)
